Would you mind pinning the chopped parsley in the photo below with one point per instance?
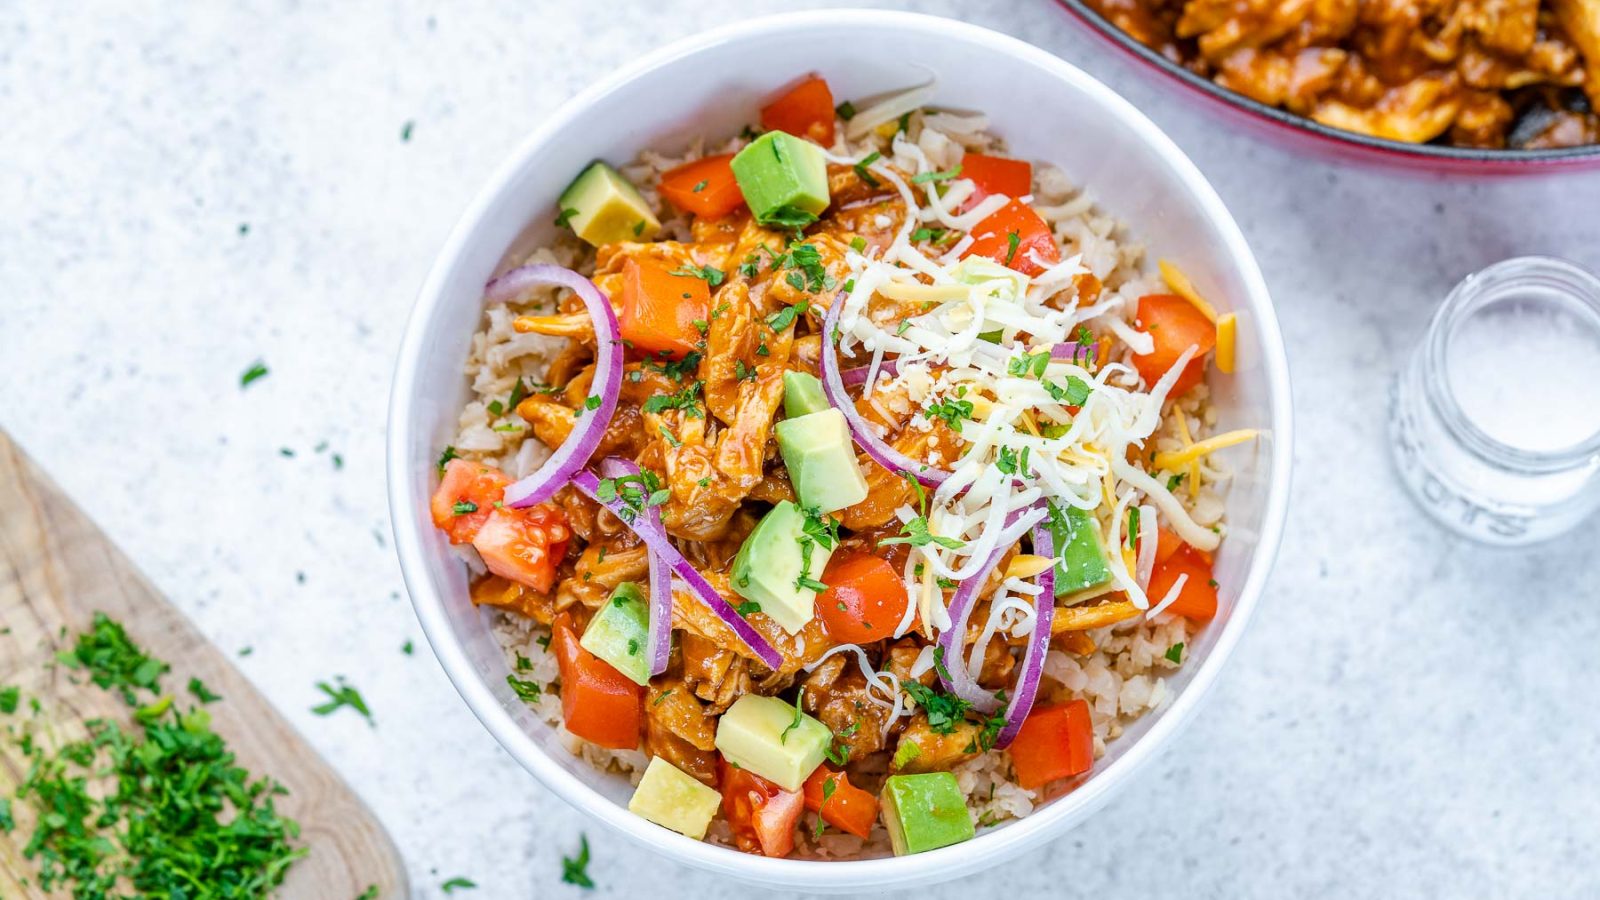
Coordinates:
(114, 661)
(664, 695)
(340, 696)
(710, 274)
(450, 887)
(670, 437)
(946, 175)
(846, 110)
(676, 369)
(687, 400)
(1075, 393)
(1013, 241)
(576, 871)
(526, 691)
(201, 692)
(1028, 365)
(257, 371)
(565, 218)
(783, 737)
(1012, 463)
(405, 131)
(1175, 653)
(916, 533)
(785, 317)
(464, 507)
(861, 169)
(407, 648)
(699, 186)
(9, 696)
(445, 457)
(929, 234)
(1174, 481)
(746, 608)
(951, 410)
(858, 244)
(944, 711)
(635, 492)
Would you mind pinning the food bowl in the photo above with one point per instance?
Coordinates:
(1301, 134)
(710, 84)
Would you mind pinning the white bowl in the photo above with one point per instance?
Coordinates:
(712, 84)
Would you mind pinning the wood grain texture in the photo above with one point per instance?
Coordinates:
(56, 571)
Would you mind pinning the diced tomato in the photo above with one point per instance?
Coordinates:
(847, 807)
(1053, 742)
(1198, 598)
(1174, 325)
(1167, 543)
(705, 187)
(996, 175)
(465, 497)
(659, 309)
(524, 545)
(598, 703)
(805, 111)
(993, 237)
(762, 815)
(865, 599)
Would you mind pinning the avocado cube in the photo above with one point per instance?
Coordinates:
(603, 207)
(772, 739)
(769, 565)
(821, 459)
(783, 178)
(802, 394)
(1083, 558)
(619, 633)
(672, 798)
(925, 812)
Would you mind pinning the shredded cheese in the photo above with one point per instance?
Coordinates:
(1173, 461)
(1227, 338)
(1183, 287)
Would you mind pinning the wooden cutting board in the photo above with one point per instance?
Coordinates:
(56, 570)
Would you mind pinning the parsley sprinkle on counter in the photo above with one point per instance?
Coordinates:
(457, 883)
(576, 871)
(341, 696)
(257, 371)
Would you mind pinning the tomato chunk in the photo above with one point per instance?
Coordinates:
(762, 815)
(705, 187)
(660, 309)
(1174, 325)
(465, 497)
(805, 111)
(865, 599)
(844, 806)
(598, 703)
(996, 175)
(1013, 236)
(524, 545)
(1197, 599)
(1054, 742)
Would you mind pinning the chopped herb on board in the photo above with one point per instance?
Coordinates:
(576, 870)
(201, 692)
(9, 695)
(155, 808)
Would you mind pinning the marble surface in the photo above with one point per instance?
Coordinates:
(185, 192)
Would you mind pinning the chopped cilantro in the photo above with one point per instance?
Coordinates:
(710, 274)
(1013, 241)
(576, 871)
(846, 110)
(451, 886)
(946, 175)
(565, 218)
(526, 691)
(687, 400)
(916, 533)
(445, 457)
(746, 608)
(1175, 652)
(201, 692)
(785, 317)
(464, 507)
(951, 410)
(340, 696)
(257, 370)
(861, 169)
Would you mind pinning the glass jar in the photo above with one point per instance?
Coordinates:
(1495, 421)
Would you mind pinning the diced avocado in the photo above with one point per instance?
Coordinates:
(802, 394)
(672, 798)
(603, 207)
(925, 812)
(1083, 558)
(783, 178)
(768, 567)
(772, 739)
(619, 633)
(821, 459)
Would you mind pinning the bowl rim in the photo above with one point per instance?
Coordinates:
(843, 875)
(1272, 115)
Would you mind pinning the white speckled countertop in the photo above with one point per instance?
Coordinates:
(184, 190)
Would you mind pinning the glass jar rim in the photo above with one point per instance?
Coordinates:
(1470, 295)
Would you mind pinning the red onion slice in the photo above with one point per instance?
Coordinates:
(858, 375)
(656, 539)
(1072, 350)
(574, 452)
(833, 387)
(954, 673)
(660, 640)
(1044, 608)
